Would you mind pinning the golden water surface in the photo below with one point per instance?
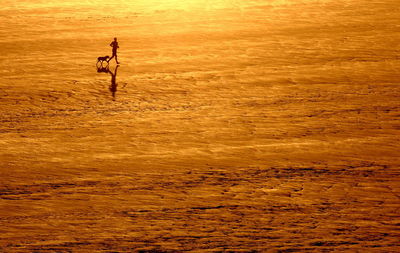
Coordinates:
(229, 125)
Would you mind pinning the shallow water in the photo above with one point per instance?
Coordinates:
(259, 119)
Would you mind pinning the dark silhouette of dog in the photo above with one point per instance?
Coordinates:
(101, 59)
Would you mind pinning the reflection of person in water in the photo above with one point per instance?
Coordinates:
(113, 85)
(114, 46)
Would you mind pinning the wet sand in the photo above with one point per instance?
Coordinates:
(235, 126)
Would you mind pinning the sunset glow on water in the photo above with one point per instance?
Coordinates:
(229, 125)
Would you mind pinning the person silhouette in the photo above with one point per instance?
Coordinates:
(113, 85)
(114, 45)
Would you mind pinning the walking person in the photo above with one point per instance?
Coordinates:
(114, 46)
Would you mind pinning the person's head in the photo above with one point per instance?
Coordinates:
(115, 39)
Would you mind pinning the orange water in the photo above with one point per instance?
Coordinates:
(205, 65)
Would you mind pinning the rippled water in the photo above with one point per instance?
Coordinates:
(231, 125)
(190, 56)
(204, 48)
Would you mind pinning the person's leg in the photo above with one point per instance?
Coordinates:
(111, 58)
(116, 59)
